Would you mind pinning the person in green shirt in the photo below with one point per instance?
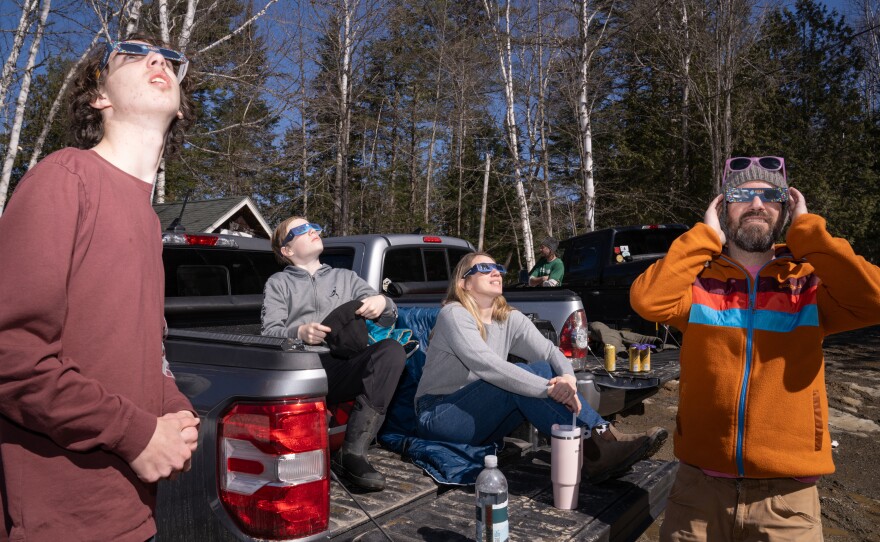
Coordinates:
(549, 269)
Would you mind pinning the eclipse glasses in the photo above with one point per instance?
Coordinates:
(302, 229)
(484, 268)
(176, 58)
(767, 195)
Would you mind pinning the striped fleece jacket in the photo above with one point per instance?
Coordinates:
(752, 398)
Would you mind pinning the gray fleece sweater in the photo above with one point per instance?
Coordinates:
(293, 297)
(458, 355)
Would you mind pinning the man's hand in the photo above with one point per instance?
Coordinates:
(372, 307)
(190, 436)
(797, 204)
(312, 333)
(168, 451)
(563, 389)
(711, 217)
(537, 281)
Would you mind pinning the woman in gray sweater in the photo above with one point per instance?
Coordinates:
(469, 393)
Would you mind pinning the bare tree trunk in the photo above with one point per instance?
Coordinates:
(163, 21)
(159, 187)
(459, 151)
(21, 32)
(429, 175)
(543, 82)
(506, 66)
(21, 102)
(685, 98)
(584, 109)
(340, 183)
(133, 15)
(413, 162)
(485, 200)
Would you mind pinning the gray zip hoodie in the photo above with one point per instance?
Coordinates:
(293, 297)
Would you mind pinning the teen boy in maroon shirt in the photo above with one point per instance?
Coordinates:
(90, 419)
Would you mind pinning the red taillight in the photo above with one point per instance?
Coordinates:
(432, 240)
(202, 240)
(274, 467)
(574, 339)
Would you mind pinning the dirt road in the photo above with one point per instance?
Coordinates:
(850, 497)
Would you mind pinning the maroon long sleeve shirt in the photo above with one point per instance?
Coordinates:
(81, 380)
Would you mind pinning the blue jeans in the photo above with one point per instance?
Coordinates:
(482, 413)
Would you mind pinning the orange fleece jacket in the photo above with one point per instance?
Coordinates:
(752, 399)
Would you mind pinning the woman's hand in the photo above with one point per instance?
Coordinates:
(372, 307)
(563, 389)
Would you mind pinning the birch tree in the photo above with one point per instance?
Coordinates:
(28, 10)
(590, 45)
(500, 17)
(21, 103)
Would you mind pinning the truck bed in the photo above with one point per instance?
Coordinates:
(414, 508)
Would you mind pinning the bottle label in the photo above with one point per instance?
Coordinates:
(492, 522)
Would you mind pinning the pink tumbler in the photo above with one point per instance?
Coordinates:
(565, 465)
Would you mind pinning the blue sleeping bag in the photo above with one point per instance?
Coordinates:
(445, 462)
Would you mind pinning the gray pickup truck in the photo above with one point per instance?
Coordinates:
(262, 470)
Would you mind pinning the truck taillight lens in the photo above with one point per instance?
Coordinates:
(574, 339)
(274, 468)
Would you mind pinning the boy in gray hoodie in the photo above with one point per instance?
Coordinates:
(296, 301)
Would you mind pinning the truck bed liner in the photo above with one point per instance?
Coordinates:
(417, 509)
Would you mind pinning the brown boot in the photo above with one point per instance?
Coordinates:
(607, 456)
(656, 436)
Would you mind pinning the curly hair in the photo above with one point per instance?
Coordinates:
(87, 123)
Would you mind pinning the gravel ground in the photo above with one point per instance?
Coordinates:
(850, 497)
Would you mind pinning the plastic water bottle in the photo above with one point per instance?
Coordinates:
(492, 525)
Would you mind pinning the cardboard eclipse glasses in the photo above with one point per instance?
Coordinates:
(302, 229)
(766, 195)
(176, 58)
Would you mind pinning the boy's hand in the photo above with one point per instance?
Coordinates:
(312, 333)
(372, 307)
(711, 217)
(168, 451)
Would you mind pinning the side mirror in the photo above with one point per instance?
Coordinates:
(523, 277)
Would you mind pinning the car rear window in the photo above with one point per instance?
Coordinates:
(205, 271)
(647, 242)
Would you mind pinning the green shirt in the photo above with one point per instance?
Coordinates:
(555, 269)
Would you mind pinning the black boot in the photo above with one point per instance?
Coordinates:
(351, 461)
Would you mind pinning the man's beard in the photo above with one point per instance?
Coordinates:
(752, 237)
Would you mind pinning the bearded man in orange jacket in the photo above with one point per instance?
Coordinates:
(752, 425)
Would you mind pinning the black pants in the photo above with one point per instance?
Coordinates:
(374, 372)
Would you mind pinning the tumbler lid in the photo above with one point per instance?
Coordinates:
(565, 431)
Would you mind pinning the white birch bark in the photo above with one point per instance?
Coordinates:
(585, 108)
(188, 23)
(685, 96)
(485, 200)
(163, 21)
(503, 45)
(21, 32)
(133, 15)
(344, 121)
(21, 102)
